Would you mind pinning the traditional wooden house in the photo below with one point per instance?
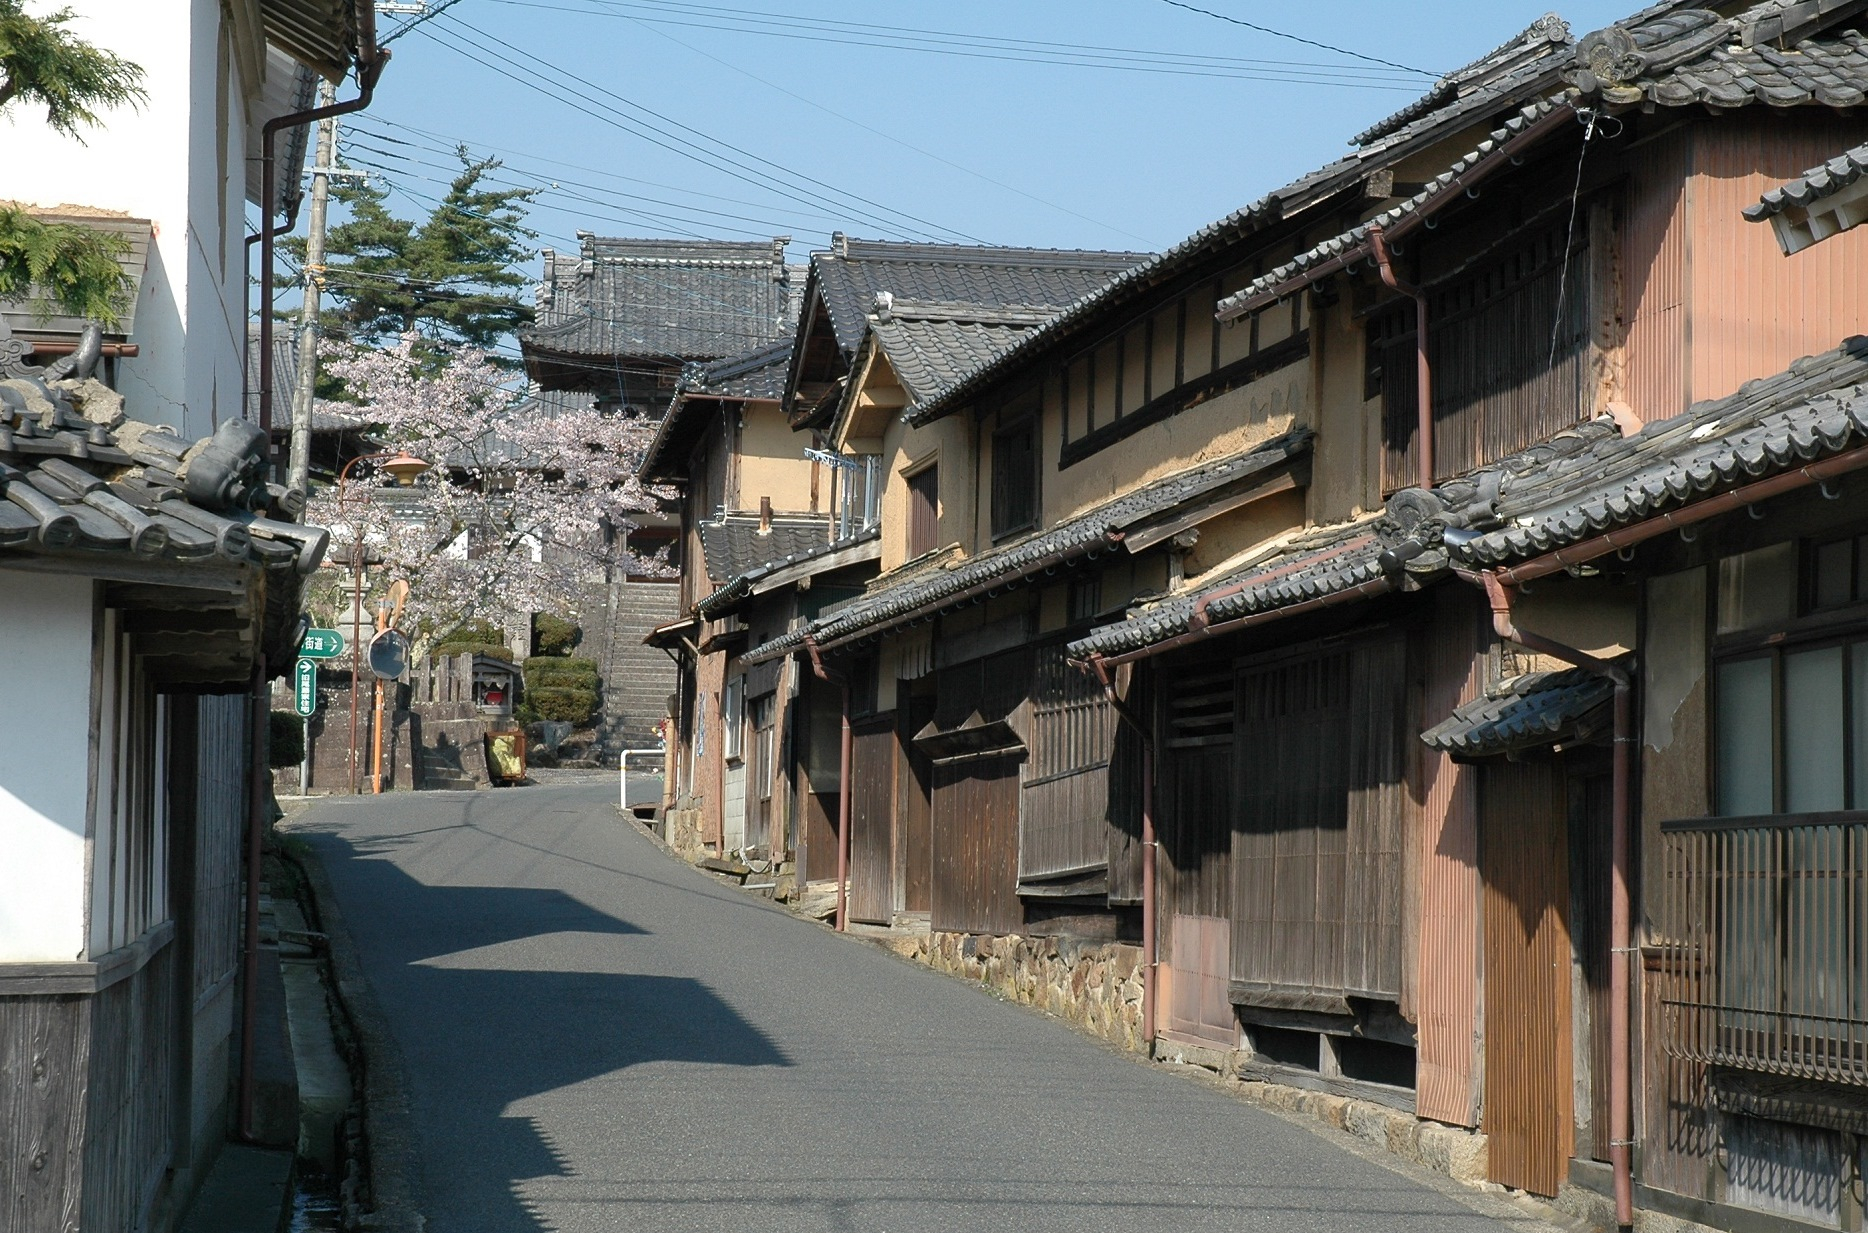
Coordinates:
(1395, 854)
(149, 585)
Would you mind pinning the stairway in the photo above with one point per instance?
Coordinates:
(440, 771)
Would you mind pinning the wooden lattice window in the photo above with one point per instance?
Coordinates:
(924, 511)
(1015, 478)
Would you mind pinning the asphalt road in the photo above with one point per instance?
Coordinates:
(596, 1037)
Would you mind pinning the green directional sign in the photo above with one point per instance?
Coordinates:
(305, 687)
(321, 644)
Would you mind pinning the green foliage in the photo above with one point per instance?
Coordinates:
(286, 741)
(475, 631)
(554, 635)
(561, 670)
(496, 650)
(562, 702)
(43, 63)
(454, 277)
(62, 266)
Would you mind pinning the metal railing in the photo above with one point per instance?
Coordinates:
(656, 755)
(858, 490)
(1762, 945)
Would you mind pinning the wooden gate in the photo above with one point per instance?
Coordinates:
(1524, 861)
(872, 819)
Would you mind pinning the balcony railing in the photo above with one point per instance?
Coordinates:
(1763, 946)
(858, 491)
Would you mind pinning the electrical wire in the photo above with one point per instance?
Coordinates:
(522, 73)
(978, 46)
(1295, 38)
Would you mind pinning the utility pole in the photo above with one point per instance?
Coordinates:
(298, 466)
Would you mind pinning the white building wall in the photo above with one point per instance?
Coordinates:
(45, 723)
(175, 162)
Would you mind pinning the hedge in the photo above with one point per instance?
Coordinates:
(554, 635)
(494, 649)
(562, 703)
(560, 670)
(286, 743)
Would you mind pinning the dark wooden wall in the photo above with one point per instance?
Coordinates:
(1064, 815)
(872, 819)
(976, 845)
(1321, 801)
(914, 782)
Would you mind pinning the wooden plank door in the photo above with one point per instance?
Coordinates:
(976, 844)
(872, 820)
(914, 854)
(1524, 861)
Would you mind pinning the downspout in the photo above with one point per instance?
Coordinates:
(1423, 371)
(370, 62)
(1621, 1133)
(1149, 960)
(843, 784)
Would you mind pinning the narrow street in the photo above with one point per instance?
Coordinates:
(597, 1037)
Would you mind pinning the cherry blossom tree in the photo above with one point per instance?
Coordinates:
(518, 510)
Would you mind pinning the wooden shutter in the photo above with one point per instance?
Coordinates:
(924, 511)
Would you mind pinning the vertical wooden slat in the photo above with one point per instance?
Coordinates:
(1524, 860)
(872, 822)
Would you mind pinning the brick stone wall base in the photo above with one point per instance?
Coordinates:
(1095, 985)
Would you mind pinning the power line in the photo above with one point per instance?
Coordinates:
(684, 146)
(1295, 38)
(1012, 50)
(890, 136)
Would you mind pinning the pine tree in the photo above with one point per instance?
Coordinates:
(61, 265)
(453, 278)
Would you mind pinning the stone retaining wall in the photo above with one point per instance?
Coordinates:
(1095, 985)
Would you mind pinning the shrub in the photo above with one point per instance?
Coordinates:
(286, 743)
(475, 631)
(554, 635)
(560, 670)
(563, 703)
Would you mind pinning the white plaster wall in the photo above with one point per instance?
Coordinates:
(164, 162)
(45, 721)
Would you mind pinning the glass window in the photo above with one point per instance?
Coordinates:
(1758, 589)
(1747, 784)
(1813, 769)
(732, 717)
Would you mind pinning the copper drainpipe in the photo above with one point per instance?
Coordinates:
(843, 784)
(1423, 371)
(1150, 961)
(370, 62)
(1621, 1128)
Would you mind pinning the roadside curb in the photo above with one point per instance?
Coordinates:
(388, 1126)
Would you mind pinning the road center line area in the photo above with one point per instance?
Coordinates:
(595, 1036)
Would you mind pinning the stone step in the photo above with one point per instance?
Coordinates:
(432, 782)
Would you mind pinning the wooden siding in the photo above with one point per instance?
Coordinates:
(1654, 272)
(1198, 1005)
(1591, 799)
(129, 1121)
(872, 819)
(1064, 810)
(40, 1186)
(220, 819)
(1493, 332)
(914, 778)
(975, 845)
(1321, 800)
(1193, 811)
(1445, 1004)
(1524, 858)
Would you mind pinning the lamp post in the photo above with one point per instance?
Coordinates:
(404, 467)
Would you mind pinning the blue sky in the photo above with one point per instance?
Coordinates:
(976, 142)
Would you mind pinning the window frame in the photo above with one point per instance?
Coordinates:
(733, 719)
(1007, 527)
(922, 473)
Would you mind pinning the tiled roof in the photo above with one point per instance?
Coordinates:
(671, 300)
(1322, 562)
(756, 374)
(1581, 483)
(1813, 185)
(1673, 57)
(933, 345)
(850, 275)
(79, 482)
(733, 543)
(1538, 49)
(1538, 708)
(741, 585)
(1816, 407)
(926, 584)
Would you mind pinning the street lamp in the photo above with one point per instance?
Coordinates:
(405, 468)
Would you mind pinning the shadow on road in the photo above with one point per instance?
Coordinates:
(499, 994)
